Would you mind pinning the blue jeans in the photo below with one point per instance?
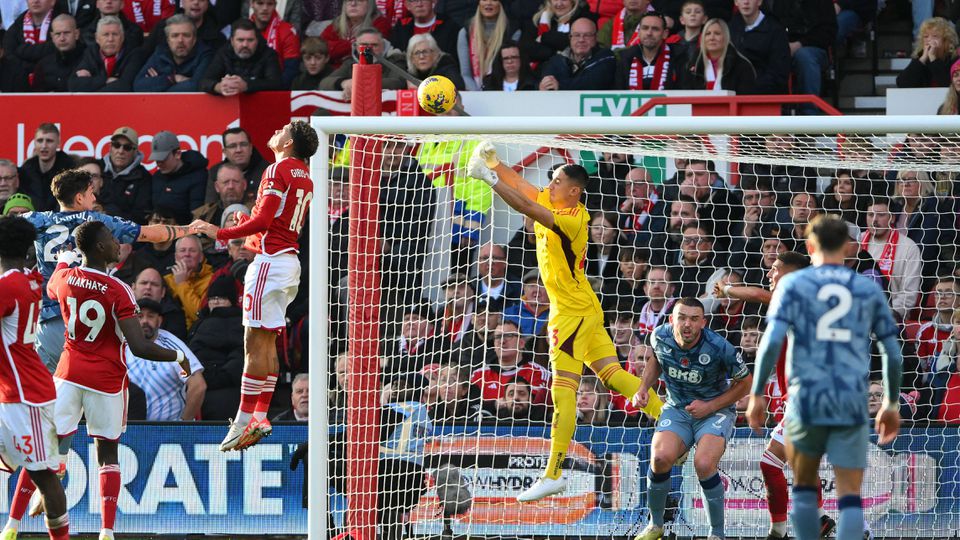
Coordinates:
(809, 64)
(847, 23)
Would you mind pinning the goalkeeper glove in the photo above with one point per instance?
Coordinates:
(478, 169)
(487, 153)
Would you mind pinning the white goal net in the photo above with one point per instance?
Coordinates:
(430, 349)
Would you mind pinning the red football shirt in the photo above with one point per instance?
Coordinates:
(23, 377)
(492, 381)
(147, 13)
(92, 304)
(272, 229)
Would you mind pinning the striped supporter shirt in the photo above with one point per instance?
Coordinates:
(165, 389)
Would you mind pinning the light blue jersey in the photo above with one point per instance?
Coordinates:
(54, 229)
(829, 313)
(702, 372)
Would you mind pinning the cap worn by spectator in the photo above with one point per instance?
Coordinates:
(164, 142)
(532, 275)
(18, 200)
(231, 210)
(152, 305)
(127, 133)
(774, 231)
(223, 287)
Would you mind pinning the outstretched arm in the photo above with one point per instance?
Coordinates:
(158, 234)
(745, 293)
(520, 202)
(488, 154)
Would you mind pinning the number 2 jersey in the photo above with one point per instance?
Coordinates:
(23, 377)
(93, 304)
(54, 229)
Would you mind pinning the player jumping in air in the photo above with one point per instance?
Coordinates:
(775, 455)
(830, 312)
(28, 435)
(697, 366)
(575, 327)
(272, 279)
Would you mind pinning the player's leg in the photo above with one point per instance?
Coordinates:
(805, 446)
(711, 434)
(106, 421)
(600, 354)
(673, 437)
(772, 464)
(54, 502)
(109, 486)
(847, 451)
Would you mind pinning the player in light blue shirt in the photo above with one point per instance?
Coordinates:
(704, 376)
(830, 312)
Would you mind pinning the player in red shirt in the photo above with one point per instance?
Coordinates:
(28, 435)
(272, 232)
(775, 456)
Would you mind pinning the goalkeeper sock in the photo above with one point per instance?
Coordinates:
(619, 380)
(250, 386)
(806, 523)
(713, 493)
(658, 487)
(564, 423)
(850, 520)
(21, 499)
(777, 496)
(109, 492)
(266, 396)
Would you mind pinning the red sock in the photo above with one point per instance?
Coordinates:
(819, 495)
(109, 492)
(776, 483)
(250, 386)
(59, 528)
(21, 497)
(266, 396)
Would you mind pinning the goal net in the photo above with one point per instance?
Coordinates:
(430, 346)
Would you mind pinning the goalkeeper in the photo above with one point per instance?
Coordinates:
(575, 328)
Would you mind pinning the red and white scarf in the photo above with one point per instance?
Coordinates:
(639, 217)
(424, 28)
(543, 25)
(33, 35)
(475, 61)
(712, 75)
(139, 17)
(110, 63)
(617, 39)
(648, 319)
(393, 10)
(889, 253)
(272, 31)
(661, 68)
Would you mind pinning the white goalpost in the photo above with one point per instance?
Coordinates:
(431, 394)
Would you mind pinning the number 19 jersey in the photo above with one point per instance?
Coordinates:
(93, 304)
(290, 180)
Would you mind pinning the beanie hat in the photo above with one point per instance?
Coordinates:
(223, 287)
(231, 210)
(954, 68)
(18, 200)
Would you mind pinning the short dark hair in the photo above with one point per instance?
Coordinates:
(755, 182)
(794, 259)
(576, 173)
(16, 237)
(752, 322)
(88, 234)
(242, 24)
(305, 139)
(70, 183)
(697, 2)
(89, 161)
(879, 199)
(656, 14)
(234, 131)
(830, 232)
(690, 301)
(708, 163)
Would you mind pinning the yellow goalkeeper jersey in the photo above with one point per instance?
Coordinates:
(561, 256)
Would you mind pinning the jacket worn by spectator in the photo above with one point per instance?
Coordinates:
(738, 74)
(192, 292)
(285, 43)
(261, 71)
(306, 81)
(36, 183)
(15, 46)
(811, 22)
(766, 46)
(339, 47)
(217, 341)
(933, 74)
(391, 80)
(127, 193)
(132, 34)
(443, 31)
(183, 189)
(446, 67)
(541, 41)
(166, 67)
(208, 33)
(253, 173)
(123, 73)
(13, 77)
(54, 70)
(596, 72)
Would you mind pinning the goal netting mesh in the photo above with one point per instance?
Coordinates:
(439, 395)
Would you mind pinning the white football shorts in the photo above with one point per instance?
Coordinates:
(28, 437)
(106, 413)
(270, 285)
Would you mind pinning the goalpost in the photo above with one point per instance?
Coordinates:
(465, 422)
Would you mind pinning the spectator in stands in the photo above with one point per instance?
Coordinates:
(238, 149)
(148, 13)
(647, 65)
(299, 410)
(522, 249)
(198, 11)
(27, 40)
(510, 71)
(279, 36)
(852, 15)
(928, 221)
(510, 363)
(132, 34)
(189, 277)
(458, 305)
(516, 402)
(686, 43)
(9, 181)
(48, 161)
(56, 67)
(659, 290)
(424, 20)
(933, 333)
(13, 75)
(726, 314)
(355, 15)
(627, 291)
(714, 201)
(178, 65)
(18, 205)
(763, 41)
(548, 32)
(636, 208)
(934, 53)
(952, 99)
(605, 189)
(785, 180)
(244, 65)
(110, 65)
(342, 77)
(896, 254)
(750, 332)
(425, 58)
(531, 312)
(181, 178)
(583, 65)
(811, 31)
(472, 351)
(803, 208)
(229, 187)
(697, 261)
(759, 211)
(127, 186)
(683, 211)
(492, 281)
(478, 43)
(149, 285)
(415, 343)
(603, 246)
(842, 198)
(618, 32)
(453, 402)
(719, 65)
(315, 58)
(860, 261)
(171, 395)
(217, 340)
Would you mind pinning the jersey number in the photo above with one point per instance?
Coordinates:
(52, 245)
(95, 324)
(300, 211)
(825, 332)
(30, 331)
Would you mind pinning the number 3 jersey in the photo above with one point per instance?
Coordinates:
(701, 372)
(830, 312)
(23, 377)
(93, 304)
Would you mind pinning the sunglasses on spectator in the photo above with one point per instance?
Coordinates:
(127, 147)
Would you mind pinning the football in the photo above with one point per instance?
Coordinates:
(437, 94)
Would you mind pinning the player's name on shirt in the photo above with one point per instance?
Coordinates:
(86, 283)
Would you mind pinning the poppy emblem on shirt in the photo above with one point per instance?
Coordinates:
(685, 362)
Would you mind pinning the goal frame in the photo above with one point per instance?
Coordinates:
(318, 359)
